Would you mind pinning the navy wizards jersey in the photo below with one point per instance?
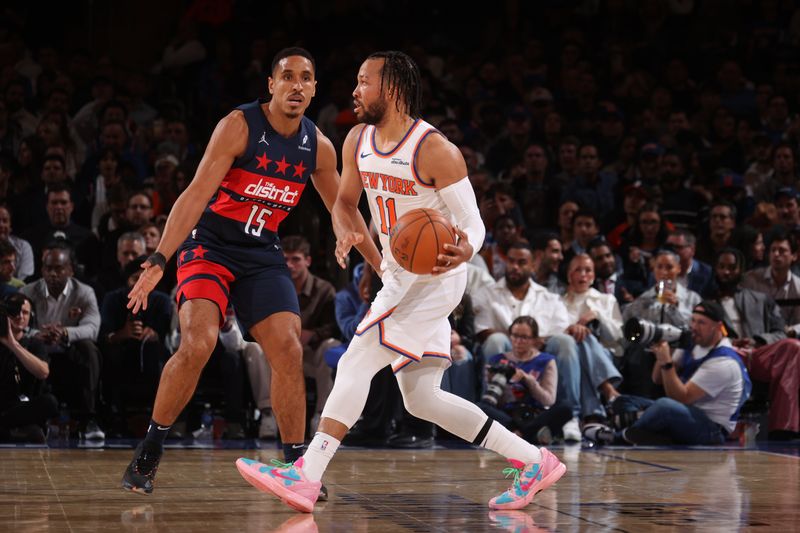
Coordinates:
(263, 185)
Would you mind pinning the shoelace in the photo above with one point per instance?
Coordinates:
(281, 464)
(513, 471)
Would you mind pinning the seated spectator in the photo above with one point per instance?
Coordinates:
(59, 225)
(566, 214)
(596, 326)
(25, 401)
(547, 258)
(695, 275)
(585, 227)
(152, 236)
(130, 246)
(769, 356)
(8, 283)
(777, 279)
(521, 391)
(259, 372)
(786, 199)
(722, 231)
(133, 344)
(67, 322)
(592, 187)
(706, 385)
(138, 212)
(647, 236)
(317, 316)
(666, 303)
(634, 198)
(609, 278)
(680, 204)
(497, 305)
(505, 232)
(23, 260)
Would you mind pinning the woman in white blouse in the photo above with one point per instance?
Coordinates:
(596, 326)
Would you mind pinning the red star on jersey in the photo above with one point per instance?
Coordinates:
(263, 161)
(299, 169)
(282, 165)
(183, 255)
(199, 252)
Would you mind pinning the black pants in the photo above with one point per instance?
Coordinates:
(131, 371)
(35, 411)
(75, 376)
(636, 368)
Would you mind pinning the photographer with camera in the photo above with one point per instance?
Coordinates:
(521, 386)
(706, 385)
(668, 302)
(25, 403)
(133, 345)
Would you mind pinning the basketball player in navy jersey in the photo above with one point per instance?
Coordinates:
(404, 163)
(224, 229)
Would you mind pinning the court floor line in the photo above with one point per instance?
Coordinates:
(581, 518)
(55, 490)
(639, 461)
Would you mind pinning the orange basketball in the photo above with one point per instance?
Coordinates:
(418, 238)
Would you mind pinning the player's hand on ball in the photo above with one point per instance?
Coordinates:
(456, 254)
(137, 298)
(344, 245)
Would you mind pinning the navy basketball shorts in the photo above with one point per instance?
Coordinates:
(254, 280)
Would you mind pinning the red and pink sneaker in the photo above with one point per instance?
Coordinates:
(528, 480)
(285, 480)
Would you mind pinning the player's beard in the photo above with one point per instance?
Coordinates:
(374, 113)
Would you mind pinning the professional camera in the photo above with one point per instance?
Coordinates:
(7, 309)
(499, 374)
(646, 333)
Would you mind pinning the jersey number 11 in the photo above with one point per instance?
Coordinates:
(388, 213)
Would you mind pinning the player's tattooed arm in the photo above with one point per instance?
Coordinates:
(348, 224)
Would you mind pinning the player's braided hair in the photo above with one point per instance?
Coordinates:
(402, 75)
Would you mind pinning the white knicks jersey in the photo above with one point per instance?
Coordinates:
(391, 182)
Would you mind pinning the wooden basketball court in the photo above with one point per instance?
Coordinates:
(612, 489)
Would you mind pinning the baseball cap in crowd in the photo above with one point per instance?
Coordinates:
(652, 149)
(167, 158)
(789, 192)
(714, 311)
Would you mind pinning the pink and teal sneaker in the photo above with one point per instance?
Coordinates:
(285, 480)
(528, 480)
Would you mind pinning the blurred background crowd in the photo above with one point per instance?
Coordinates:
(646, 150)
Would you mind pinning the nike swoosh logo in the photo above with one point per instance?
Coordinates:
(363, 155)
(527, 486)
(275, 473)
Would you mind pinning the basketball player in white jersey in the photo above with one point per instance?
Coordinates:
(403, 163)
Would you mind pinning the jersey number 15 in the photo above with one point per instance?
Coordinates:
(259, 220)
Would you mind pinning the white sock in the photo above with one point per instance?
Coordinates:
(510, 446)
(318, 455)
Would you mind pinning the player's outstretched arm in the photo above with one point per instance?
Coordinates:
(348, 224)
(228, 141)
(441, 161)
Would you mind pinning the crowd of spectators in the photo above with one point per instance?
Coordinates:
(630, 159)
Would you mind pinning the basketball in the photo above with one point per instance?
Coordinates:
(418, 238)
